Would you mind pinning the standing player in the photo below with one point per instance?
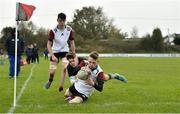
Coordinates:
(58, 47)
(1, 57)
(10, 47)
(82, 89)
(36, 54)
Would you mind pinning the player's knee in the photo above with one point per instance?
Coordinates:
(52, 67)
(52, 71)
(106, 77)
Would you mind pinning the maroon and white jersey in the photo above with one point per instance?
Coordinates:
(96, 72)
(60, 39)
(85, 89)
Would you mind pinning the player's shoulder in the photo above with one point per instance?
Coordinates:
(68, 28)
(54, 29)
(97, 70)
(98, 67)
(69, 67)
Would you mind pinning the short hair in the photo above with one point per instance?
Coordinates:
(94, 55)
(70, 55)
(13, 31)
(61, 16)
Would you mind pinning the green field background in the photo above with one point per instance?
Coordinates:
(153, 87)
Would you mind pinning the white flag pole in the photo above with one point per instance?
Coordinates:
(15, 65)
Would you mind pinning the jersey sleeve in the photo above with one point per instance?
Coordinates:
(100, 76)
(51, 35)
(82, 63)
(71, 36)
(99, 82)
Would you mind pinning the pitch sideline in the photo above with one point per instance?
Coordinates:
(11, 110)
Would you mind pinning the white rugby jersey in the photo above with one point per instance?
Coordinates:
(81, 86)
(96, 72)
(60, 39)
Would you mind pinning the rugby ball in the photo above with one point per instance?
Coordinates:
(83, 75)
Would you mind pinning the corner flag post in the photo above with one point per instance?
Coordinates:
(15, 65)
(23, 13)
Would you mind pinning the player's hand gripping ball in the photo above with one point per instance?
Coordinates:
(83, 74)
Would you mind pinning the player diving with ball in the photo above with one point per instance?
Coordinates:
(85, 76)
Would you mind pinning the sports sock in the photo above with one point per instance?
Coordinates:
(111, 75)
(51, 77)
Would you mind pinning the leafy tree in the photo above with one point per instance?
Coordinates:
(41, 37)
(114, 33)
(176, 39)
(157, 40)
(91, 23)
(6, 33)
(30, 34)
(27, 32)
(153, 43)
(146, 43)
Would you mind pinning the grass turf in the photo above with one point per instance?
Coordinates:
(153, 87)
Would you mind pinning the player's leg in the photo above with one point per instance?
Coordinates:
(68, 95)
(18, 64)
(11, 66)
(76, 99)
(1, 60)
(37, 58)
(64, 64)
(52, 70)
(115, 76)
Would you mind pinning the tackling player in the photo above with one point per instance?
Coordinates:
(82, 89)
(75, 65)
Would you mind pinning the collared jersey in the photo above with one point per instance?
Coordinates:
(60, 39)
(81, 86)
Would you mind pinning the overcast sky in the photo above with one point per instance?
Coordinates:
(144, 14)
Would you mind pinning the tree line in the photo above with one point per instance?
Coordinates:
(95, 31)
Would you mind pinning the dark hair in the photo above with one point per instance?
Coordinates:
(70, 55)
(61, 16)
(94, 55)
(13, 31)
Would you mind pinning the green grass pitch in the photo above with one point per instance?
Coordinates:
(153, 87)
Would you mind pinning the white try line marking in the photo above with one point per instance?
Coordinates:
(11, 110)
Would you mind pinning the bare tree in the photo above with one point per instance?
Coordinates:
(134, 32)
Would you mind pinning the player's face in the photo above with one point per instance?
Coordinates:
(61, 22)
(72, 62)
(92, 63)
